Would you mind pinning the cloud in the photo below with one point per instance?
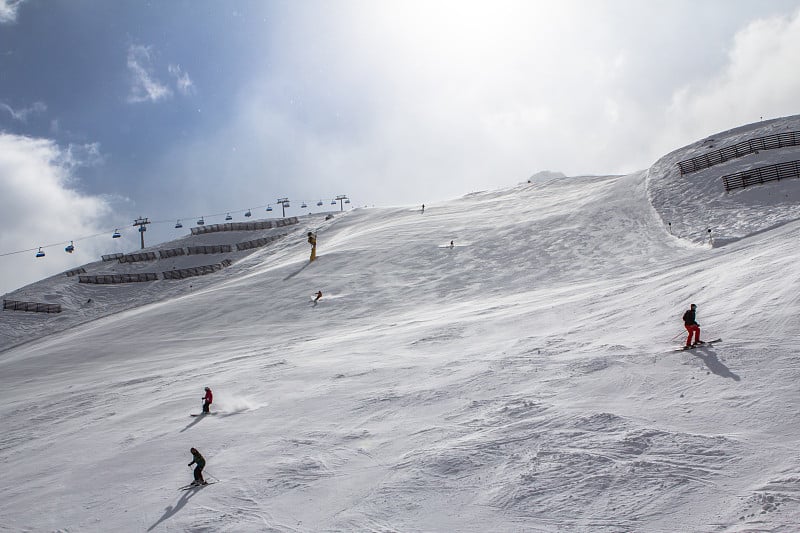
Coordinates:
(145, 87)
(38, 207)
(183, 82)
(21, 115)
(8, 10)
(754, 83)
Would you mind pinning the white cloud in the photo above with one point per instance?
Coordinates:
(758, 81)
(183, 82)
(38, 208)
(145, 87)
(21, 115)
(8, 10)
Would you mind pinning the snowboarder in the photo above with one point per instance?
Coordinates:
(200, 461)
(319, 295)
(207, 399)
(692, 327)
(312, 240)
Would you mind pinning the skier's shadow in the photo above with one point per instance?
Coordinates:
(172, 509)
(196, 420)
(714, 364)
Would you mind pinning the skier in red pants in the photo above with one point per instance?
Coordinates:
(692, 327)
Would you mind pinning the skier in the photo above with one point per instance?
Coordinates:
(198, 470)
(319, 295)
(312, 240)
(452, 244)
(207, 399)
(692, 327)
(423, 208)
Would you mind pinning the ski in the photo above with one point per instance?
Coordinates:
(699, 345)
(203, 414)
(194, 485)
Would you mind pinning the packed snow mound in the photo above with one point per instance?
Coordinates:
(694, 203)
(545, 176)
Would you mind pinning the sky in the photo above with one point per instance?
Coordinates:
(114, 110)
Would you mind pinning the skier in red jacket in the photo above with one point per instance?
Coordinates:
(207, 399)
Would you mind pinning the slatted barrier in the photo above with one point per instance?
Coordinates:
(112, 257)
(258, 243)
(75, 272)
(14, 305)
(172, 252)
(770, 142)
(195, 271)
(142, 256)
(245, 226)
(756, 176)
(110, 279)
(218, 249)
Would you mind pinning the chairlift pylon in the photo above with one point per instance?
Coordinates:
(70, 248)
(40, 253)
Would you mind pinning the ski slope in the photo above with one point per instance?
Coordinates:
(523, 380)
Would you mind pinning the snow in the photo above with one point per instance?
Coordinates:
(524, 380)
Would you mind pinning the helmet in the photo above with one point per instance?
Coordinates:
(207, 388)
(694, 306)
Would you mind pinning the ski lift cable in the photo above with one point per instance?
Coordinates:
(116, 229)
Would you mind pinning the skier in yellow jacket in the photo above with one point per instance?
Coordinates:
(312, 240)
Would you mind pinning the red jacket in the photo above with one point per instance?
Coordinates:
(208, 397)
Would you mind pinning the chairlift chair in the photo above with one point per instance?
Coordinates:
(347, 201)
(178, 224)
(303, 205)
(248, 213)
(333, 202)
(269, 208)
(142, 229)
(228, 217)
(40, 253)
(319, 203)
(70, 248)
(116, 234)
(200, 221)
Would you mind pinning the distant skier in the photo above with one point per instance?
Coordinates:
(318, 296)
(692, 327)
(200, 461)
(452, 244)
(312, 240)
(423, 208)
(207, 399)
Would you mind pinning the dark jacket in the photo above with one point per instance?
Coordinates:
(688, 318)
(199, 459)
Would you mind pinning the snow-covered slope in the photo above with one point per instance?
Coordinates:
(522, 380)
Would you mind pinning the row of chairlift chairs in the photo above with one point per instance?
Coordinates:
(200, 222)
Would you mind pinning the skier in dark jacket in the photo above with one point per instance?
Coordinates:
(692, 327)
(207, 399)
(198, 470)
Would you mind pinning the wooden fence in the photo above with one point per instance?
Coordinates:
(13, 305)
(195, 271)
(770, 142)
(258, 243)
(218, 249)
(245, 226)
(755, 176)
(109, 279)
(142, 256)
